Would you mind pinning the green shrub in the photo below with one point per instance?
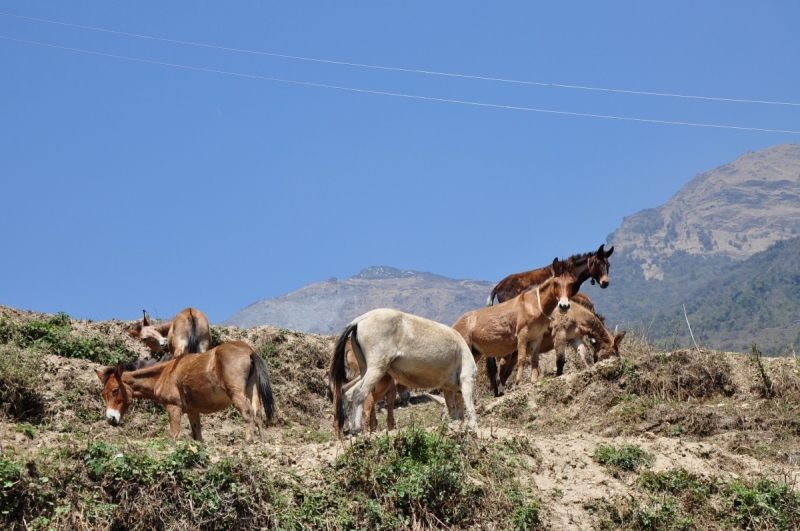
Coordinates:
(53, 336)
(628, 457)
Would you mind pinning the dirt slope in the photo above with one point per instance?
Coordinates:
(704, 413)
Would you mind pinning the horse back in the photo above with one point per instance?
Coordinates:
(190, 333)
(513, 285)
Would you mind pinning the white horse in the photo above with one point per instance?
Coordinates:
(416, 352)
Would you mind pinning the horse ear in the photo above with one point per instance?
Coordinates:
(133, 332)
(119, 369)
(601, 250)
(610, 250)
(571, 265)
(103, 374)
(618, 339)
(556, 266)
(146, 319)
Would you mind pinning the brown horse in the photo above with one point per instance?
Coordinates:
(188, 332)
(205, 383)
(579, 322)
(519, 324)
(592, 266)
(386, 387)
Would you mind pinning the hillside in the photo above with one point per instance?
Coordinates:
(678, 253)
(326, 307)
(683, 440)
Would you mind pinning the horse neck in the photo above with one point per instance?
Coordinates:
(548, 296)
(581, 273)
(164, 328)
(144, 382)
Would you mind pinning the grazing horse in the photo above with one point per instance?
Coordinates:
(519, 324)
(416, 352)
(592, 266)
(579, 322)
(386, 387)
(204, 383)
(188, 332)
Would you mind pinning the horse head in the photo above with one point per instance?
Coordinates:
(148, 333)
(608, 349)
(598, 266)
(562, 280)
(117, 395)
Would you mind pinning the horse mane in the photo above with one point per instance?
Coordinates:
(580, 258)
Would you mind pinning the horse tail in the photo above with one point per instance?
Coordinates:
(490, 300)
(337, 372)
(194, 339)
(264, 387)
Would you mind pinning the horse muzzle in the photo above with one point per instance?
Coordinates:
(113, 417)
(603, 283)
(563, 306)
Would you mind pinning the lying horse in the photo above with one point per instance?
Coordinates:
(188, 332)
(416, 352)
(518, 324)
(205, 383)
(592, 266)
(579, 322)
(385, 388)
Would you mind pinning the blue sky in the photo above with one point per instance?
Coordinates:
(130, 185)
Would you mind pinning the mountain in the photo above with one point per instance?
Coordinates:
(685, 251)
(326, 307)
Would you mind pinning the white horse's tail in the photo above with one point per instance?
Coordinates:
(337, 373)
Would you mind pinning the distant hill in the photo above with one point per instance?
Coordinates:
(326, 307)
(699, 241)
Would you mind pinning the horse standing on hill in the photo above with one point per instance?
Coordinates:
(187, 333)
(579, 322)
(231, 373)
(416, 352)
(385, 388)
(592, 266)
(520, 323)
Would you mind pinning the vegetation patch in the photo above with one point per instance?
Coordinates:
(678, 500)
(20, 383)
(53, 336)
(628, 457)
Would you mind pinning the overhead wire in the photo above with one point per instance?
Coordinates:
(395, 94)
(399, 69)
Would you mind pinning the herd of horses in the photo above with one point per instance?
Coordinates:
(378, 355)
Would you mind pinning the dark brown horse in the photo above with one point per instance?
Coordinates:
(587, 266)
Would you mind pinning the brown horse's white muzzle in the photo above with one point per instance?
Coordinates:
(563, 305)
(113, 417)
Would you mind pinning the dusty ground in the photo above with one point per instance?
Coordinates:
(701, 412)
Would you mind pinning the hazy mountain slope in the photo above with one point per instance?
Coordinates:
(673, 254)
(326, 307)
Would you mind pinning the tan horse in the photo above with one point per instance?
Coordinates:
(518, 324)
(416, 352)
(385, 388)
(205, 383)
(579, 322)
(188, 332)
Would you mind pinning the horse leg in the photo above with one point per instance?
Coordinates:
(194, 422)
(583, 352)
(467, 398)
(368, 382)
(561, 358)
(390, 398)
(522, 350)
(506, 370)
(534, 350)
(370, 418)
(174, 413)
(242, 405)
(450, 402)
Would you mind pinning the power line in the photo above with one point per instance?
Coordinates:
(406, 70)
(396, 94)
